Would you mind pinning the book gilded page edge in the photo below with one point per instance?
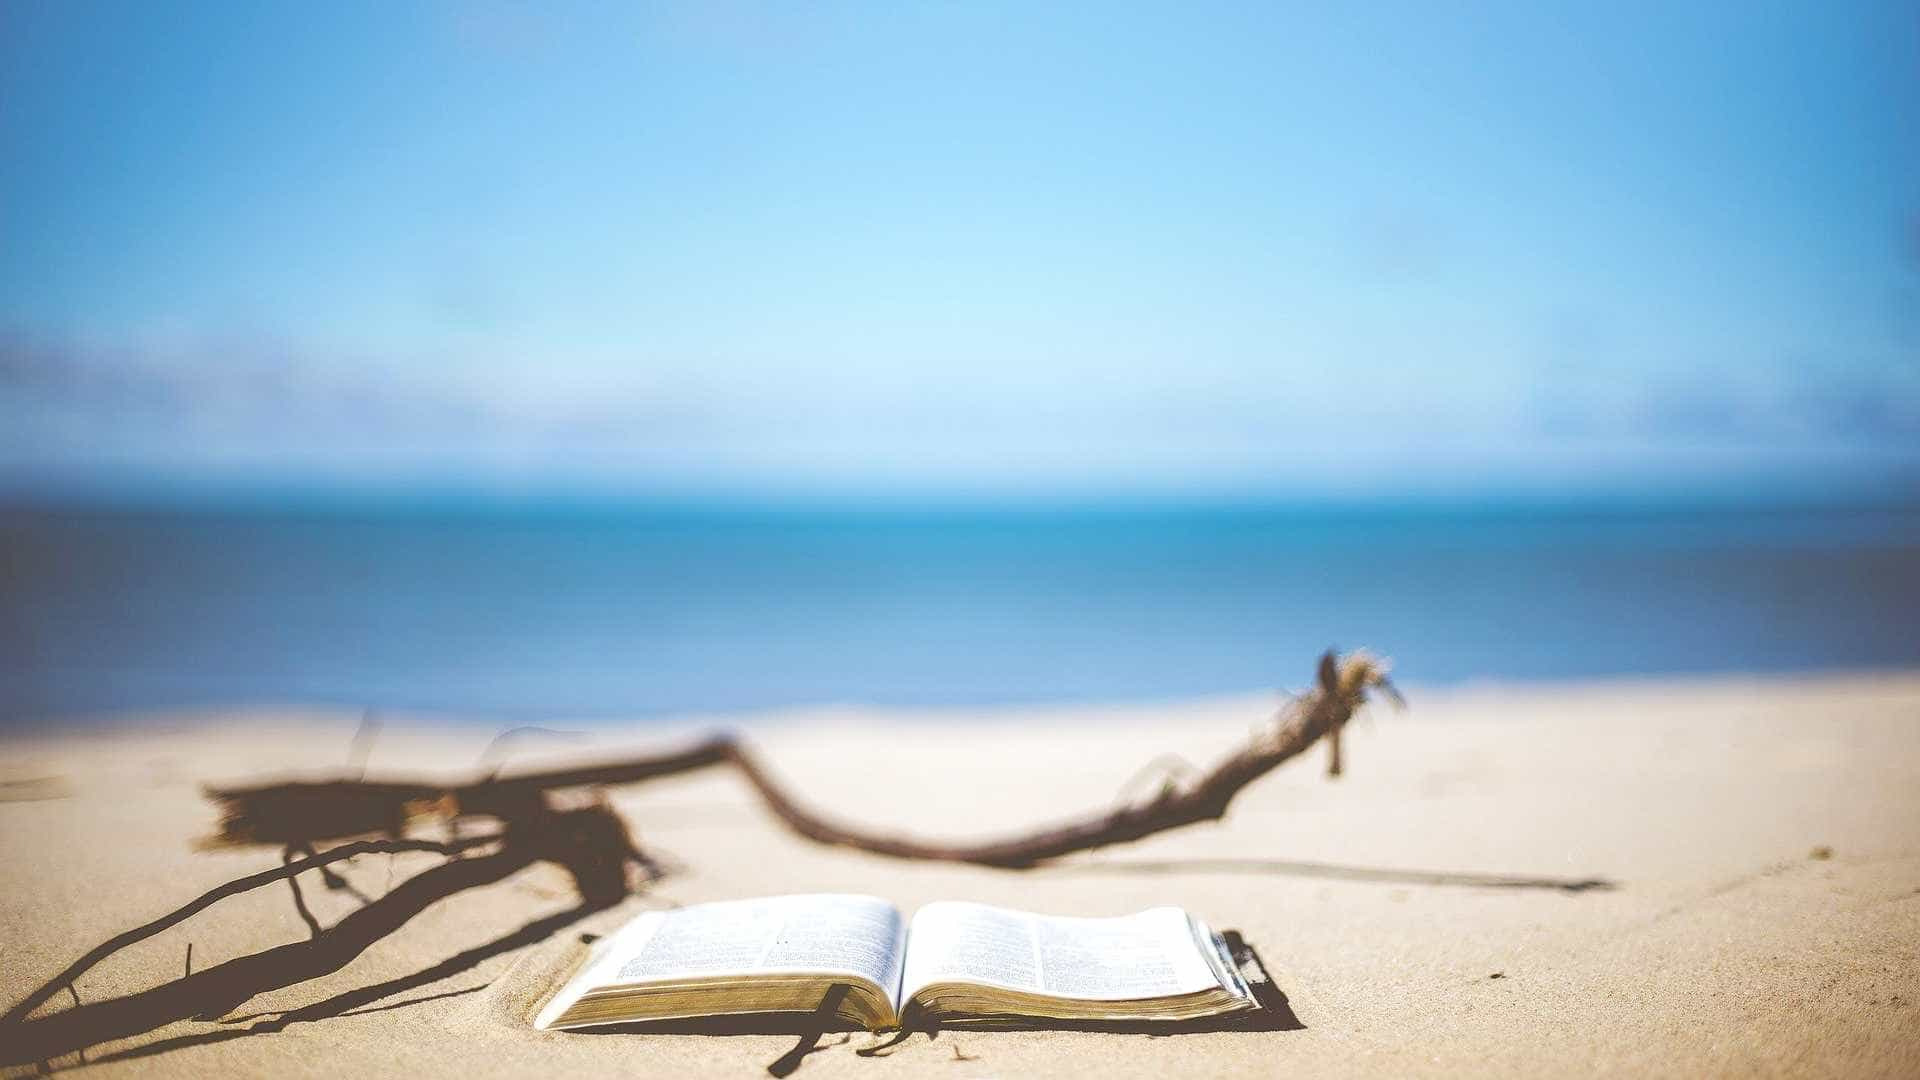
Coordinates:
(588, 975)
(583, 978)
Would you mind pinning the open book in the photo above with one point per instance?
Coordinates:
(955, 962)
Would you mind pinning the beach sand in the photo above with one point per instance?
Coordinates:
(1424, 914)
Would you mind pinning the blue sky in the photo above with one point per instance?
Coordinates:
(710, 246)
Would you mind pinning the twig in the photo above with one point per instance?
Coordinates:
(361, 748)
(495, 750)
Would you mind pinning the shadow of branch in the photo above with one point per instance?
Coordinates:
(354, 1002)
(591, 844)
(1333, 871)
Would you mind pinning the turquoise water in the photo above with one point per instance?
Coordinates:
(517, 610)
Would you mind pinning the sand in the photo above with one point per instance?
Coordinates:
(1761, 839)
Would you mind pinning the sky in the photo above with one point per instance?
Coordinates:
(939, 247)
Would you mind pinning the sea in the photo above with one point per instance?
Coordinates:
(527, 610)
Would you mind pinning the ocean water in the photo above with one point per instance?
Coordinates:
(526, 611)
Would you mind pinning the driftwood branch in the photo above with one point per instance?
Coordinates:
(1324, 711)
(291, 813)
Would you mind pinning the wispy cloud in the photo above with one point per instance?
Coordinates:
(272, 406)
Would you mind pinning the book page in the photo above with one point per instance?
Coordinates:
(1151, 954)
(828, 933)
